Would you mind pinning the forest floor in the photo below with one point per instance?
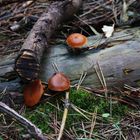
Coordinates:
(91, 116)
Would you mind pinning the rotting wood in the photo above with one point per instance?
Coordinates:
(28, 62)
(32, 129)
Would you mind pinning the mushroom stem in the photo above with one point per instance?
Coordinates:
(64, 116)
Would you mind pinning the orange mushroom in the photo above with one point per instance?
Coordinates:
(59, 82)
(32, 93)
(76, 41)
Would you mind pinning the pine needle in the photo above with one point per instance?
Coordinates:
(64, 116)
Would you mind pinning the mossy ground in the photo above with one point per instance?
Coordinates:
(47, 112)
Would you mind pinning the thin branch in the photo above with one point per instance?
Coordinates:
(64, 116)
(6, 2)
(32, 129)
(93, 122)
(82, 77)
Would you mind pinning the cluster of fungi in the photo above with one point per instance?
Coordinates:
(33, 92)
(58, 82)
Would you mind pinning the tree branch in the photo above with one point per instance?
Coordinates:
(32, 129)
(6, 2)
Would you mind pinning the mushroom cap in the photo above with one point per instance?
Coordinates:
(59, 82)
(76, 40)
(32, 93)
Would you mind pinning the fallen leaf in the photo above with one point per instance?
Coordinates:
(108, 30)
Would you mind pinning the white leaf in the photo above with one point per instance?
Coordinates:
(108, 30)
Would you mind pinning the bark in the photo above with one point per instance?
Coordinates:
(28, 62)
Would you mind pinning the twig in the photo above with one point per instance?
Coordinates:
(82, 110)
(110, 105)
(64, 116)
(93, 122)
(95, 135)
(83, 127)
(102, 75)
(32, 129)
(101, 78)
(6, 2)
(82, 77)
(77, 110)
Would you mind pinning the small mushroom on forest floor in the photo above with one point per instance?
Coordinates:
(77, 42)
(59, 82)
(33, 92)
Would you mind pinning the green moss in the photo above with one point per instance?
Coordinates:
(138, 82)
(44, 114)
(1, 138)
(89, 102)
(41, 116)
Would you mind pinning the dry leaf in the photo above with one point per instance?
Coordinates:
(108, 30)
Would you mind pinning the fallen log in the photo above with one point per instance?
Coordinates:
(28, 62)
(118, 57)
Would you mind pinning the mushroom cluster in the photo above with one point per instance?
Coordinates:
(33, 91)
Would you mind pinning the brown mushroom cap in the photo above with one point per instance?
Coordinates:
(76, 40)
(59, 82)
(33, 92)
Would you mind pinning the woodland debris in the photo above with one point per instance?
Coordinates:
(101, 12)
(32, 129)
(108, 30)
